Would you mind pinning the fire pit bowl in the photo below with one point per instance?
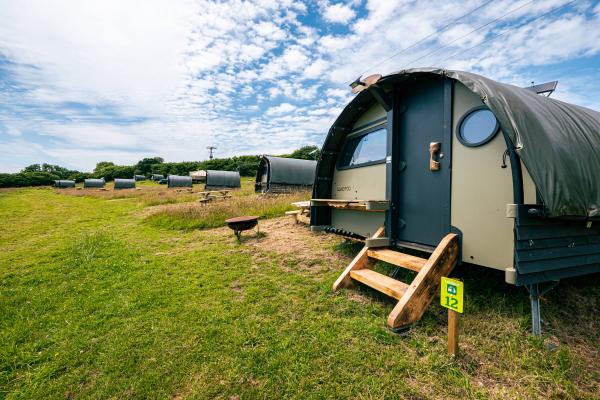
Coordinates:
(240, 224)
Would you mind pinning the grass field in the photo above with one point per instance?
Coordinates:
(104, 297)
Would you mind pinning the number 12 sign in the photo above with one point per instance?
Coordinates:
(451, 295)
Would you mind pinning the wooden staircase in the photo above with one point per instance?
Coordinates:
(414, 298)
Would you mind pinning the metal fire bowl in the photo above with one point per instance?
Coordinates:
(239, 224)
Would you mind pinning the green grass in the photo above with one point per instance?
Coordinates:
(194, 215)
(96, 302)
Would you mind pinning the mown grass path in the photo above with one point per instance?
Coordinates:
(96, 303)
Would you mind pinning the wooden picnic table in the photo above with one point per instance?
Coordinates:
(302, 214)
(210, 195)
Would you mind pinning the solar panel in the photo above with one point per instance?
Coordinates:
(544, 88)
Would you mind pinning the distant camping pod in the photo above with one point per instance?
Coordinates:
(222, 179)
(278, 174)
(139, 177)
(179, 181)
(64, 183)
(124, 184)
(157, 177)
(94, 183)
(198, 176)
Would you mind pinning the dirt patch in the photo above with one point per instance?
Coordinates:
(358, 297)
(236, 287)
(298, 245)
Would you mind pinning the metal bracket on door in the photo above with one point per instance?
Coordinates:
(401, 223)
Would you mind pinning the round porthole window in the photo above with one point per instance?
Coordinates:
(477, 127)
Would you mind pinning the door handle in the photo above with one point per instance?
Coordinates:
(434, 147)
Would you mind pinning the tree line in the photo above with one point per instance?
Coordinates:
(46, 174)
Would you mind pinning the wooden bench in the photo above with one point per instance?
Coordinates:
(302, 214)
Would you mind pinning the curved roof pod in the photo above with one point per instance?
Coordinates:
(179, 181)
(414, 119)
(64, 183)
(198, 176)
(94, 183)
(124, 183)
(279, 174)
(139, 177)
(222, 179)
(557, 141)
(157, 177)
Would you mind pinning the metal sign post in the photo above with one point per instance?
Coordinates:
(451, 297)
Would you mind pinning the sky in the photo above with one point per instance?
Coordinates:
(83, 81)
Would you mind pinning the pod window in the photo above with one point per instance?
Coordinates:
(364, 149)
(477, 127)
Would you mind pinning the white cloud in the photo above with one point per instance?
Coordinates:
(270, 31)
(283, 108)
(339, 13)
(337, 92)
(315, 69)
(461, 35)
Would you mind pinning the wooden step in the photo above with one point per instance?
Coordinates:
(426, 284)
(413, 299)
(379, 282)
(397, 258)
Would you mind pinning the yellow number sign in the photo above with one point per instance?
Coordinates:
(451, 295)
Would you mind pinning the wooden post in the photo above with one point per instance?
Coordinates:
(452, 332)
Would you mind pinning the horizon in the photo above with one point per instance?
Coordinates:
(84, 82)
(216, 159)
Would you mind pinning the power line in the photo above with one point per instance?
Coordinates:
(423, 39)
(506, 31)
(467, 34)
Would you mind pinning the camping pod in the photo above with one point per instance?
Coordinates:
(64, 183)
(93, 183)
(124, 184)
(157, 177)
(425, 153)
(179, 181)
(279, 175)
(139, 177)
(198, 176)
(222, 180)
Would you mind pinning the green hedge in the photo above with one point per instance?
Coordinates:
(46, 174)
(27, 179)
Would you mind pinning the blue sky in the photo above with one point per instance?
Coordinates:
(117, 80)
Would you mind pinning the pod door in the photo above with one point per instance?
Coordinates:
(421, 161)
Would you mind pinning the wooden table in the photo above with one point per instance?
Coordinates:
(208, 196)
(303, 212)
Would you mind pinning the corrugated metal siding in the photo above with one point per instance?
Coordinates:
(550, 249)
